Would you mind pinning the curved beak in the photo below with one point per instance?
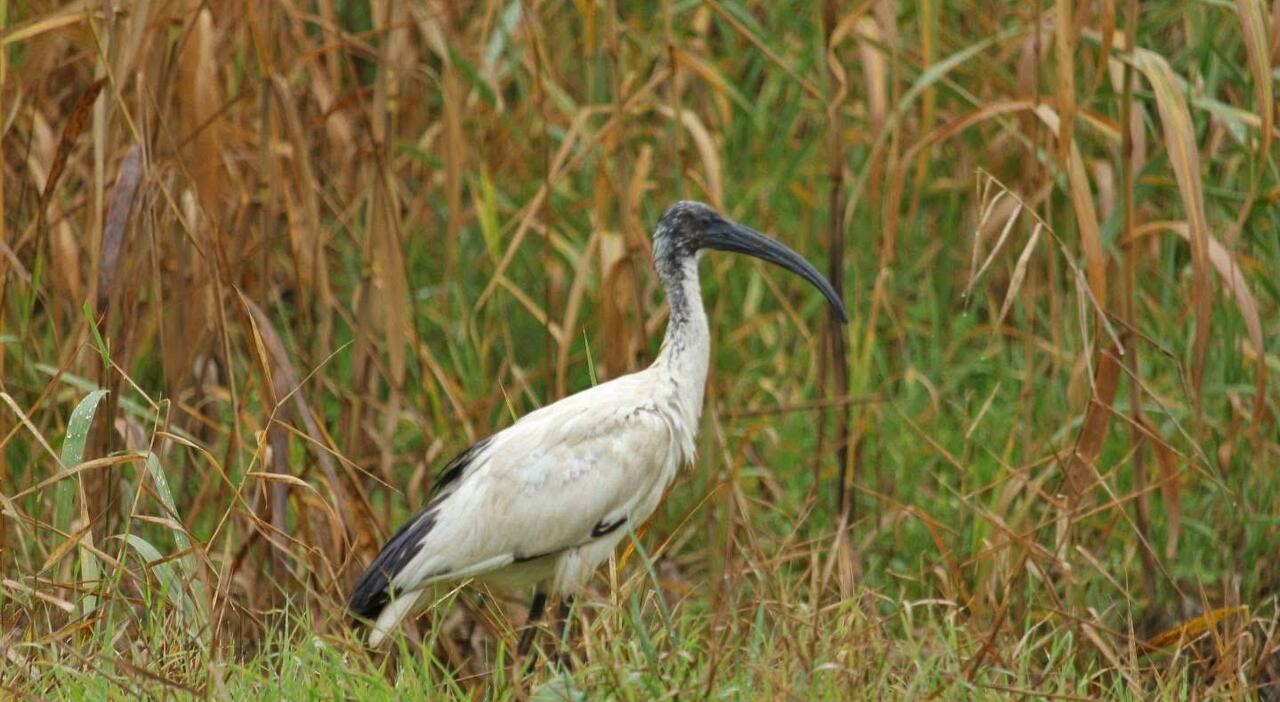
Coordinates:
(731, 236)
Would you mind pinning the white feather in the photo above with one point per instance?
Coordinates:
(524, 509)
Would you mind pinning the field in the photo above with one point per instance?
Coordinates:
(264, 267)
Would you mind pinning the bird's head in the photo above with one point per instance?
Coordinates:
(688, 227)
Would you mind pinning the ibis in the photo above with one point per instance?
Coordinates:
(543, 502)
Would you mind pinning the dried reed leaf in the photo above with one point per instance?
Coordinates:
(73, 14)
(38, 594)
(1275, 32)
(634, 230)
(1104, 180)
(71, 129)
(1253, 25)
(984, 219)
(527, 215)
(200, 100)
(67, 257)
(306, 233)
(1179, 136)
(1004, 236)
(289, 386)
(61, 550)
(83, 467)
(454, 161)
(119, 211)
(1019, 273)
(573, 149)
(1086, 216)
(1095, 260)
(281, 478)
(1082, 472)
(875, 68)
(1065, 83)
(535, 310)
(388, 281)
(898, 174)
(1194, 627)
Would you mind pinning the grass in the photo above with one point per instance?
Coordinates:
(265, 270)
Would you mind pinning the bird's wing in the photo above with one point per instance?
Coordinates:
(557, 479)
(547, 484)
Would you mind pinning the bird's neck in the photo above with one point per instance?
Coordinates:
(686, 348)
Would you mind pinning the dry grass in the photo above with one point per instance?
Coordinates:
(264, 265)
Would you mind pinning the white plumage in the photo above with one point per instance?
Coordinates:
(546, 500)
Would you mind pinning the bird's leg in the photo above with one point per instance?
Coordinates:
(536, 608)
(562, 657)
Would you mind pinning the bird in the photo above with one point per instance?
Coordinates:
(546, 500)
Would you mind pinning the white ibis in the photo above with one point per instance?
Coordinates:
(545, 501)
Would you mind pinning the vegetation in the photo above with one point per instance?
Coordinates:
(265, 266)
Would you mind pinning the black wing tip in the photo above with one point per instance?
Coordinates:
(370, 595)
(373, 590)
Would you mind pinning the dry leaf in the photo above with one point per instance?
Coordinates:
(1194, 627)
(1082, 472)
(1179, 135)
(1253, 25)
(70, 133)
(119, 211)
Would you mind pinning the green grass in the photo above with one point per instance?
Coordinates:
(445, 222)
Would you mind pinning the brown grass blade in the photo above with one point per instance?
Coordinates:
(1095, 258)
(454, 161)
(1275, 31)
(71, 129)
(1193, 627)
(74, 14)
(876, 71)
(1253, 25)
(1082, 472)
(388, 274)
(1179, 135)
(288, 387)
(618, 290)
(1108, 31)
(200, 100)
(1065, 84)
(1011, 218)
(1019, 273)
(1086, 215)
(306, 230)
